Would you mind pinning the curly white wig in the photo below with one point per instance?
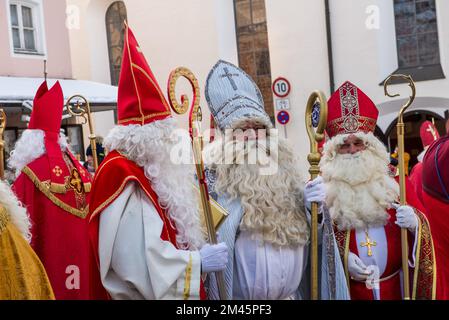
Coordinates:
(30, 147)
(150, 146)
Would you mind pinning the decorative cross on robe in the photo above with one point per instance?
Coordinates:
(369, 244)
(57, 171)
(229, 76)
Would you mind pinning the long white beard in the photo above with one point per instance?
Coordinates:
(359, 188)
(29, 147)
(272, 203)
(150, 146)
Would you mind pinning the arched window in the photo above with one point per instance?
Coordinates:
(115, 18)
(252, 44)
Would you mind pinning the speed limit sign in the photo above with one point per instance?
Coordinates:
(281, 87)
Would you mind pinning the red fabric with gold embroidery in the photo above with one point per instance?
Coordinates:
(59, 232)
(140, 99)
(55, 190)
(115, 172)
(350, 111)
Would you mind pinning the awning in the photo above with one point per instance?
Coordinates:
(14, 91)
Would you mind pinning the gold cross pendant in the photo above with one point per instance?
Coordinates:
(369, 244)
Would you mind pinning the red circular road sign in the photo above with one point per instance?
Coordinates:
(283, 117)
(281, 87)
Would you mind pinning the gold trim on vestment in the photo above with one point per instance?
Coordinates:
(155, 85)
(63, 188)
(424, 234)
(188, 278)
(45, 188)
(4, 218)
(114, 195)
(416, 270)
(132, 73)
(146, 117)
(119, 190)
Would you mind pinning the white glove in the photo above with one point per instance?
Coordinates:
(214, 257)
(405, 217)
(314, 191)
(357, 269)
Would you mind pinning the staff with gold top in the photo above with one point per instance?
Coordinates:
(314, 157)
(195, 117)
(401, 151)
(78, 106)
(2, 143)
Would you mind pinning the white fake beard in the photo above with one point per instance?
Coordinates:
(30, 147)
(359, 188)
(149, 146)
(272, 204)
(16, 211)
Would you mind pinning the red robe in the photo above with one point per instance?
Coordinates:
(110, 180)
(57, 202)
(438, 212)
(416, 180)
(390, 284)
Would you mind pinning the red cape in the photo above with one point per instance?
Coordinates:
(115, 172)
(57, 202)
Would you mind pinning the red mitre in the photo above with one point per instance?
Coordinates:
(47, 116)
(428, 133)
(350, 111)
(140, 99)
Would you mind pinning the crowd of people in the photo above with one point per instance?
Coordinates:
(133, 229)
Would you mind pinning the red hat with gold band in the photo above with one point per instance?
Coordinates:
(428, 133)
(140, 99)
(350, 111)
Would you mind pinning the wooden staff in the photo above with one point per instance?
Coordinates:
(195, 118)
(314, 158)
(81, 108)
(400, 132)
(2, 143)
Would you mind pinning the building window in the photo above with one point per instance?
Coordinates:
(252, 44)
(417, 38)
(115, 18)
(26, 28)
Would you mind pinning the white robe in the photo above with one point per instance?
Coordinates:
(264, 271)
(135, 263)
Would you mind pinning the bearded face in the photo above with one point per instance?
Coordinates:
(359, 188)
(260, 170)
